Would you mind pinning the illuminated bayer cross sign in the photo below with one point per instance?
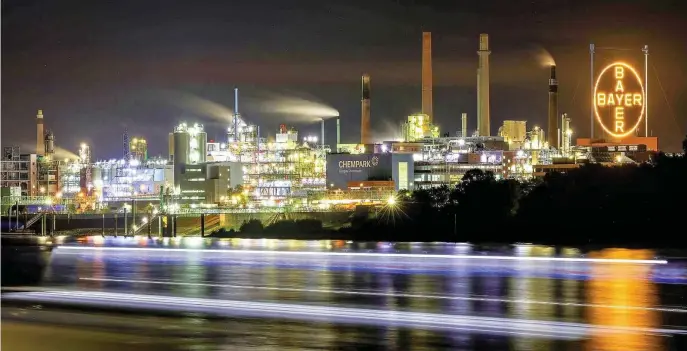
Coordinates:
(372, 162)
(619, 99)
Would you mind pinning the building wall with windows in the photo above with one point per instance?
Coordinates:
(19, 170)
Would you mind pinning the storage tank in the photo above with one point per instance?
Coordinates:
(202, 138)
(181, 153)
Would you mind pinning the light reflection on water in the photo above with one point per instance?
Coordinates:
(557, 291)
(623, 284)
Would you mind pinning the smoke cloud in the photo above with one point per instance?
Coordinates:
(544, 58)
(387, 131)
(196, 105)
(60, 153)
(289, 108)
(292, 108)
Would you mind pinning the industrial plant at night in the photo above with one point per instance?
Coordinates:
(343, 175)
(253, 170)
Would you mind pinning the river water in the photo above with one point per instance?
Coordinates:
(196, 294)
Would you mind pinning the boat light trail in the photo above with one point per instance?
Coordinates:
(420, 320)
(376, 293)
(365, 254)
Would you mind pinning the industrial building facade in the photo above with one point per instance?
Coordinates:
(345, 168)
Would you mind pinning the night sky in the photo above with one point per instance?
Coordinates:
(98, 67)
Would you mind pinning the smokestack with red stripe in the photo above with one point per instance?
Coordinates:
(552, 129)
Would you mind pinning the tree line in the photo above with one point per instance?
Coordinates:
(635, 204)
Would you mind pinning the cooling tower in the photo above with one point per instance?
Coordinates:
(40, 146)
(552, 128)
(483, 86)
(427, 76)
(365, 137)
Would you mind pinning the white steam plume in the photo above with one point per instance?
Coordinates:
(197, 105)
(293, 108)
(544, 58)
(387, 132)
(60, 153)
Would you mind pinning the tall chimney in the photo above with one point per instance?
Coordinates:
(338, 135)
(365, 137)
(552, 129)
(427, 75)
(40, 136)
(483, 86)
(464, 124)
(322, 132)
(236, 114)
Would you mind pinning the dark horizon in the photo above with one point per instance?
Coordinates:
(96, 68)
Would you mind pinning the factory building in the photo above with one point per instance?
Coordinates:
(48, 179)
(419, 127)
(138, 149)
(197, 181)
(190, 183)
(345, 169)
(187, 146)
(32, 174)
(450, 170)
(651, 143)
(187, 150)
(19, 171)
(514, 133)
(115, 179)
(218, 181)
(277, 169)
